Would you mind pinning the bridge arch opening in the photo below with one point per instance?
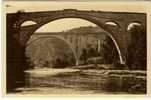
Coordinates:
(112, 23)
(27, 23)
(42, 28)
(133, 24)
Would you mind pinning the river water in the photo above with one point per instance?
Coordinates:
(75, 81)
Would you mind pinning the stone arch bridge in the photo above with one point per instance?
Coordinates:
(76, 42)
(18, 35)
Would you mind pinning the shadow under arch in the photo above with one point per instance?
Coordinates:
(82, 17)
(56, 37)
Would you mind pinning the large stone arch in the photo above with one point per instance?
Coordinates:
(24, 38)
(57, 37)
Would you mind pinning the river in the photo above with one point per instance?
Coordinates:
(76, 81)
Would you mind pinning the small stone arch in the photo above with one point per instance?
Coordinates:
(28, 23)
(112, 23)
(130, 25)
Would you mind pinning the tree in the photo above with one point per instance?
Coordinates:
(84, 55)
(30, 64)
(109, 51)
(92, 52)
(137, 50)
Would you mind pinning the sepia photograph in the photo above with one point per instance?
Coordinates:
(75, 48)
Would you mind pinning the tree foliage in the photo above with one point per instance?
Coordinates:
(109, 51)
(137, 50)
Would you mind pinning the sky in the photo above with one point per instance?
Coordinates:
(64, 24)
(49, 6)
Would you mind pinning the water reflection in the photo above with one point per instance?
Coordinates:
(80, 81)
